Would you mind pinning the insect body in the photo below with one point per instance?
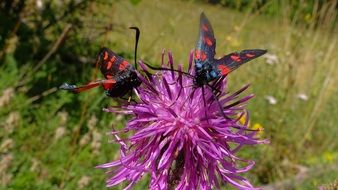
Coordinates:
(207, 68)
(120, 76)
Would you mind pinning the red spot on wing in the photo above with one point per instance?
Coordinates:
(197, 54)
(108, 84)
(123, 65)
(200, 55)
(249, 55)
(224, 69)
(109, 65)
(105, 56)
(207, 41)
(235, 58)
(109, 76)
(113, 59)
(205, 27)
(203, 56)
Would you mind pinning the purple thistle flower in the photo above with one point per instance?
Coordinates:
(180, 142)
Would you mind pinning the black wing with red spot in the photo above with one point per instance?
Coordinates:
(205, 53)
(112, 65)
(206, 44)
(232, 61)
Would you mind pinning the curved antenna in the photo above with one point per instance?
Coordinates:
(136, 43)
(167, 69)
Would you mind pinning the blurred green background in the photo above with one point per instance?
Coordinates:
(52, 139)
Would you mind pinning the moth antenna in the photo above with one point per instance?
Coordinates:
(167, 69)
(137, 36)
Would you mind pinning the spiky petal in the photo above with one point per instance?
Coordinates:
(179, 136)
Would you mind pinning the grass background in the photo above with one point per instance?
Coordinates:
(53, 140)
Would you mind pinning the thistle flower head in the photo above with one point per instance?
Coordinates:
(180, 137)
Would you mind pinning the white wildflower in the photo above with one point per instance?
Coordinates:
(63, 118)
(39, 4)
(35, 167)
(92, 122)
(6, 145)
(271, 59)
(6, 96)
(96, 141)
(303, 96)
(11, 122)
(272, 100)
(83, 182)
(59, 132)
(85, 139)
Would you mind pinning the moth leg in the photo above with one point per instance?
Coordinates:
(214, 90)
(130, 97)
(205, 104)
(220, 106)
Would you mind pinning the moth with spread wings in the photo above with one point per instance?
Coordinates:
(207, 68)
(120, 76)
